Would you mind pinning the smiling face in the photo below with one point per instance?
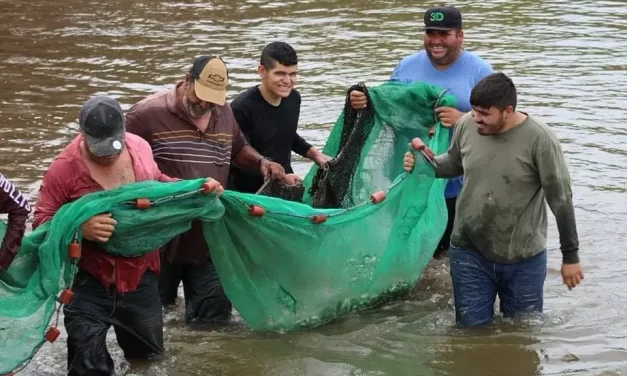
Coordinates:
(278, 68)
(491, 120)
(280, 79)
(443, 46)
(493, 102)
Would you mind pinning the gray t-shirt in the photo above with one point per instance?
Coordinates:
(501, 211)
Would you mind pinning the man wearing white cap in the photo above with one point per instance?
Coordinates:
(193, 133)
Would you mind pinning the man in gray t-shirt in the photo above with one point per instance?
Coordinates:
(511, 162)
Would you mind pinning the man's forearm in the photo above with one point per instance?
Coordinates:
(559, 198)
(301, 147)
(13, 237)
(13, 202)
(567, 228)
(314, 154)
(558, 192)
(446, 168)
(248, 158)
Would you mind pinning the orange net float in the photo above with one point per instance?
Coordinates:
(74, 250)
(66, 296)
(317, 219)
(377, 197)
(142, 203)
(52, 334)
(256, 211)
(8, 374)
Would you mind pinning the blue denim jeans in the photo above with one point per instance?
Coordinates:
(476, 282)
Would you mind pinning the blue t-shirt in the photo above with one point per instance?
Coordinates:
(459, 79)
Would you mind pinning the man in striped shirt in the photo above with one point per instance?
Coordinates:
(193, 133)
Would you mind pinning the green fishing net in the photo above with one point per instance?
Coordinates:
(285, 264)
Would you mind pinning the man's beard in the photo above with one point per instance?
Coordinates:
(195, 110)
(493, 128)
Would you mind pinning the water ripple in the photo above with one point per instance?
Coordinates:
(568, 59)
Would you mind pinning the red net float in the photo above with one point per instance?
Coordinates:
(74, 250)
(142, 203)
(66, 296)
(206, 188)
(377, 197)
(256, 211)
(317, 219)
(52, 334)
(417, 144)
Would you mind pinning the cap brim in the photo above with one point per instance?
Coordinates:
(210, 95)
(104, 147)
(437, 28)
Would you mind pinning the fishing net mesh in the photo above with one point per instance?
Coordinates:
(289, 258)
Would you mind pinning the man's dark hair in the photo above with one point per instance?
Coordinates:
(278, 52)
(496, 90)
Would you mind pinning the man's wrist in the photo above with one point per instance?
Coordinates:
(319, 159)
(263, 160)
(570, 256)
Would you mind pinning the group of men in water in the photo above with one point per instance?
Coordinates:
(502, 165)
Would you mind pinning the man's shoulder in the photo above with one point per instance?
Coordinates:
(464, 123)
(540, 127)
(152, 102)
(135, 142)
(295, 93)
(415, 58)
(225, 110)
(225, 117)
(474, 56)
(474, 60)
(465, 119)
(245, 98)
(541, 136)
(294, 96)
(64, 161)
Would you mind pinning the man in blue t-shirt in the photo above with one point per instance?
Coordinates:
(446, 64)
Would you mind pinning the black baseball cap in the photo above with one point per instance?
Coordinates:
(442, 18)
(101, 120)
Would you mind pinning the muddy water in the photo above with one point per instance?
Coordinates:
(568, 58)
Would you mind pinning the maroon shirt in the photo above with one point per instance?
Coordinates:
(15, 204)
(183, 151)
(67, 179)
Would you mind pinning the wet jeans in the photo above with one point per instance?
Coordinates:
(135, 316)
(205, 300)
(476, 282)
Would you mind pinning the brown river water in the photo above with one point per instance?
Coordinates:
(568, 59)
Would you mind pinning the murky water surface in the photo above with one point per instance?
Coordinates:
(568, 58)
